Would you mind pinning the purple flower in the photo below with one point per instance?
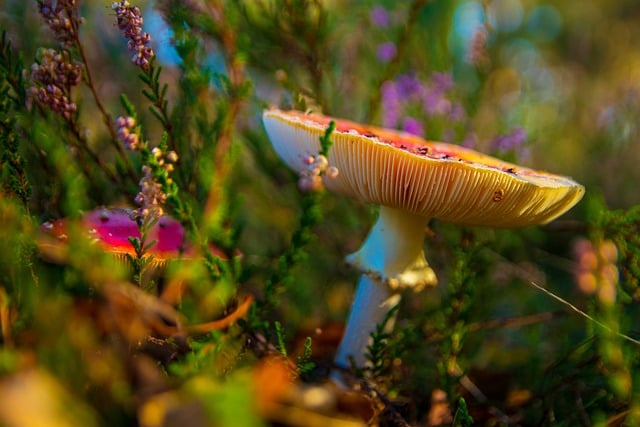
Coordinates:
(155, 184)
(379, 17)
(391, 107)
(412, 126)
(52, 79)
(457, 113)
(511, 141)
(441, 82)
(151, 197)
(129, 21)
(434, 103)
(434, 99)
(409, 103)
(125, 129)
(386, 52)
(470, 141)
(409, 86)
(62, 18)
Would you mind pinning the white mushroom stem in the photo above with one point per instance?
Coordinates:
(393, 250)
(372, 302)
(391, 259)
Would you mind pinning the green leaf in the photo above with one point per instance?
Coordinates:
(462, 418)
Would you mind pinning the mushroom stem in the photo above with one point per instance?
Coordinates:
(391, 259)
(393, 250)
(372, 302)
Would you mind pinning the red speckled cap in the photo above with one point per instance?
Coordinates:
(430, 179)
(112, 228)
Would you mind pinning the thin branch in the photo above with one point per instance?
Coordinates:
(158, 98)
(524, 275)
(226, 35)
(105, 114)
(84, 147)
(583, 314)
(479, 396)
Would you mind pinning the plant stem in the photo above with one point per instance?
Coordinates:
(83, 147)
(226, 33)
(105, 114)
(152, 74)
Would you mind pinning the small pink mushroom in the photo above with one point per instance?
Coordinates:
(112, 229)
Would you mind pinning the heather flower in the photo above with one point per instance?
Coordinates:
(154, 182)
(129, 21)
(442, 82)
(457, 113)
(514, 143)
(151, 197)
(172, 157)
(62, 18)
(391, 104)
(126, 132)
(386, 52)
(511, 141)
(311, 176)
(434, 95)
(52, 79)
(379, 17)
(409, 86)
(596, 271)
(470, 141)
(407, 101)
(436, 104)
(477, 53)
(413, 126)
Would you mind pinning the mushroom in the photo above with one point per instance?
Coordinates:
(111, 229)
(412, 180)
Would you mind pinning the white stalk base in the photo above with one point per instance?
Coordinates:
(372, 302)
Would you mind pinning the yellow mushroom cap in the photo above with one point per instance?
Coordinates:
(431, 179)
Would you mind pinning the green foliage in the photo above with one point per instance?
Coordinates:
(281, 276)
(380, 353)
(15, 181)
(623, 227)
(280, 340)
(157, 94)
(453, 319)
(462, 418)
(303, 362)
(325, 140)
(14, 177)
(310, 216)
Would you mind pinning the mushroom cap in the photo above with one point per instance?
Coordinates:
(111, 230)
(431, 179)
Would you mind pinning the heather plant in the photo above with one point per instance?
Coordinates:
(155, 106)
